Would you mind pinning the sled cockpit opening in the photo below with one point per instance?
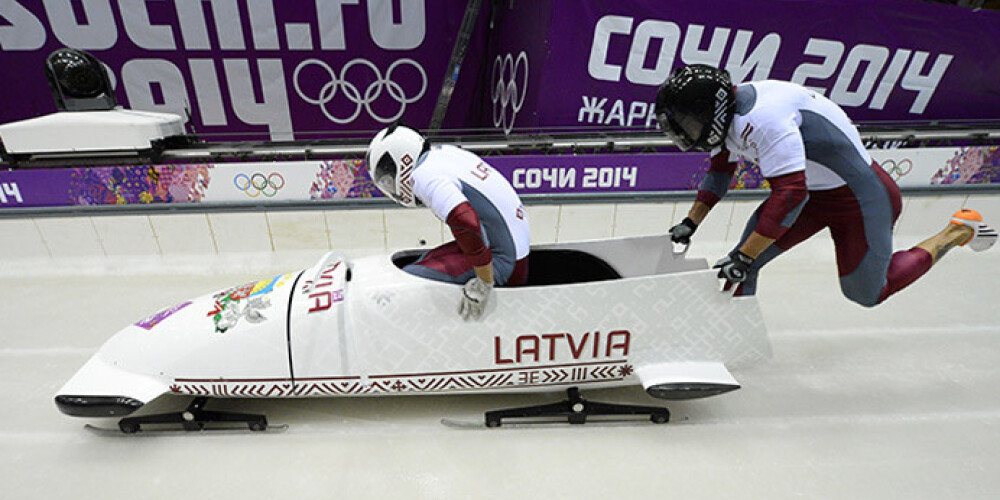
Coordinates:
(561, 267)
(546, 266)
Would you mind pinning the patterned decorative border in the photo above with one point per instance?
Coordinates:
(139, 184)
(971, 165)
(482, 380)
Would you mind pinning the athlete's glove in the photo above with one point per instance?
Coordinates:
(734, 267)
(681, 233)
(475, 294)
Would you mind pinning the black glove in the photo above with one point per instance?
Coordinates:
(681, 233)
(735, 267)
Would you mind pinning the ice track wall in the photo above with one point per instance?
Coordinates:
(254, 240)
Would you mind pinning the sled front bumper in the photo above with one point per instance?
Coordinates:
(103, 389)
(97, 406)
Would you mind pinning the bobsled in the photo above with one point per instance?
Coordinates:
(602, 313)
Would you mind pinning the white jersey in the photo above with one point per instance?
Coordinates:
(447, 176)
(768, 129)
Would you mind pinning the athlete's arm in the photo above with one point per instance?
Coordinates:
(698, 211)
(782, 159)
(713, 187)
(755, 244)
(788, 195)
(464, 224)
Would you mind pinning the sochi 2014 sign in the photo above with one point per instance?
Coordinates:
(599, 64)
(275, 69)
(292, 69)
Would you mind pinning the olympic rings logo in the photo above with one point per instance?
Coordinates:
(505, 91)
(339, 84)
(258, 184)
(895, 169)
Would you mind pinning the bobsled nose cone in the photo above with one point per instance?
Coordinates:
(97, 406)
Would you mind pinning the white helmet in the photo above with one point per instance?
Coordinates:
(391, 157)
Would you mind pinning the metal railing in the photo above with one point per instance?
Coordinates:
(193, 149)
(558, 142)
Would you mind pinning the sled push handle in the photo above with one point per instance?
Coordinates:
(328, 258)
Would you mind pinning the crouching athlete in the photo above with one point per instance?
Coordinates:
(477, 203)
(820, 174)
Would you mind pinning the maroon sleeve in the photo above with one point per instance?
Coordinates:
(464, 224)
(788, 194)
(716, 182)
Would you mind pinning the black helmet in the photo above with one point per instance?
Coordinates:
(695, 106)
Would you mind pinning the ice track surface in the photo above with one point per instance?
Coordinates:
(900, 401)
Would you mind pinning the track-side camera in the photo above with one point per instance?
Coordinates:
(78, 81)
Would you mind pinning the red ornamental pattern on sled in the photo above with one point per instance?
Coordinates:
(472, 381)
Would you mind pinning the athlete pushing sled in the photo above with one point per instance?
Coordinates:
(480, 207)
(820, 174)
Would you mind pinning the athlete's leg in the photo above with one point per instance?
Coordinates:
(965, 228)
(909, 265)
(950, 237)
(869, 271)
(447, 263)
(519, 275)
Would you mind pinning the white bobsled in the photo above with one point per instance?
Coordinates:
(594, 314)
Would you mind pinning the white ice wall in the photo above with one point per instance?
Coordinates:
(257, 240)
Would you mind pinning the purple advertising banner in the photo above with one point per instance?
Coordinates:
(600, 63)
(317, 180)
(263, 69)
(306, 69)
